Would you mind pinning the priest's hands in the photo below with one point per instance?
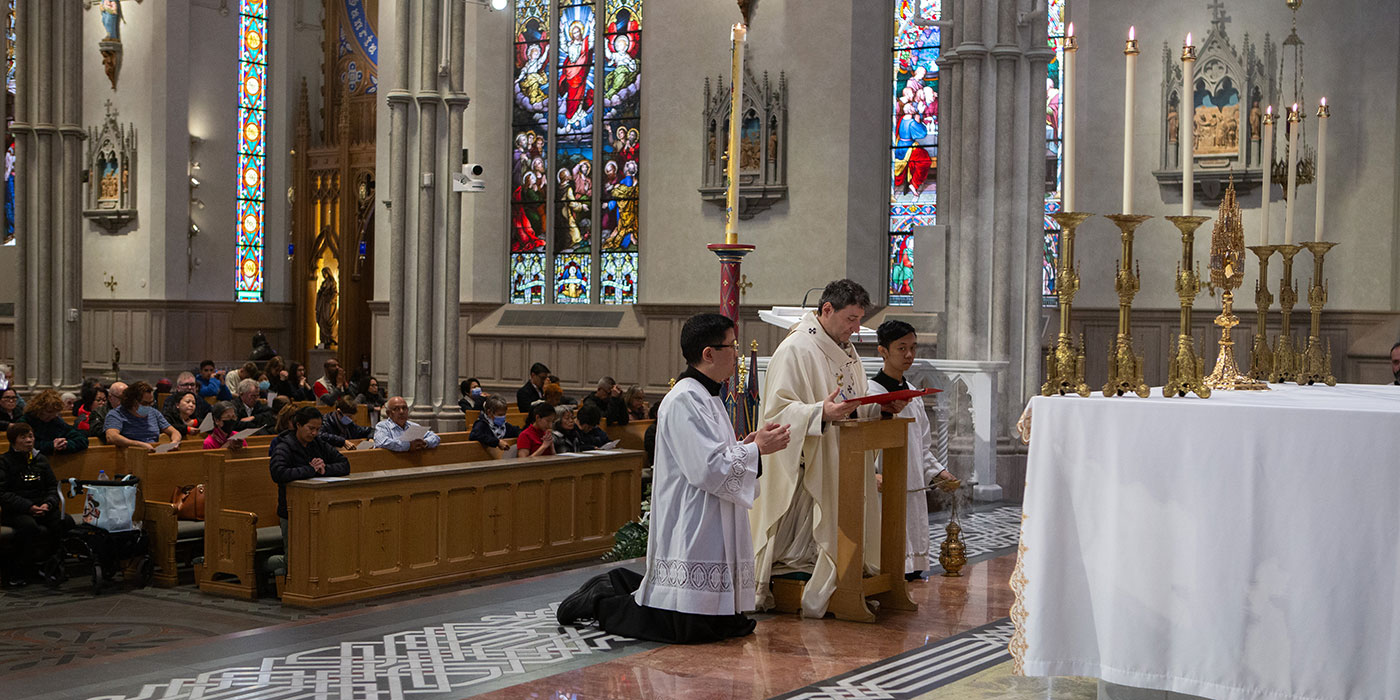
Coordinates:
(894, 406)
(833, 410)
(770, 438)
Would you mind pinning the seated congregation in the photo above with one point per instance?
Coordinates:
(217, 452)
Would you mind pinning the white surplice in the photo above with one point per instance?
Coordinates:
(922, 467)
(794, 519)
(699, 553)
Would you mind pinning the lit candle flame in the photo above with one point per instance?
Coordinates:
(1188, 38)
(1132, 33)
(1071, 29)
(1269, 111)
(1324, 102)
(1295, 106)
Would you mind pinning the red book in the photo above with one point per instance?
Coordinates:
(892, 396)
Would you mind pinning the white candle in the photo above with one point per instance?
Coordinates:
(1323, 112)
(1268, 172)
(1130, 54)
(1067, 109)
(1187, 113)
(1295, 124)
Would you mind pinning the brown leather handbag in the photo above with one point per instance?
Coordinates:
(189, 502)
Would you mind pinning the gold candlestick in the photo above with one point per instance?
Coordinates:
(1124, 363)
(1261, 359)
(1287, 361)
(1186, 370)
(1064, 363)
(1317, 361)
(1227, 274)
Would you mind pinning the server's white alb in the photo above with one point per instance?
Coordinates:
(699, 553)
(923, 466)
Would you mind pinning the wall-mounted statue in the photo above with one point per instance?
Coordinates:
(762, 144)
(110, 46)
(111, 173)
(1225, 109)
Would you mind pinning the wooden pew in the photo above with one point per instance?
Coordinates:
(240, 508)
(160, 475)
(378, 533)
(631, 436)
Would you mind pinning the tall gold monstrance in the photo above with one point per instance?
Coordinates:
(1227, 274)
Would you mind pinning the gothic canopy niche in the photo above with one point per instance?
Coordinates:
(762, 144)
(1232, 89)
(111, 173)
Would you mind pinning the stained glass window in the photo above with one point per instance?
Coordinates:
(252, 147)
(10, 93)
(576, 102)
(913, 137)
(1054, 140)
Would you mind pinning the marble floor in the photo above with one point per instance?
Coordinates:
(498, 639)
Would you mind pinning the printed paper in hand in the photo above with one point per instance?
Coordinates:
(414, 432)
(245, 434)
(610, 446)
(208, 425)
(166, 447)
(511, 453)
(365, 444)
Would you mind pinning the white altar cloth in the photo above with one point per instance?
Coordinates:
(1242, 546)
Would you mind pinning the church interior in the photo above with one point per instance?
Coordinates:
(1158, 405)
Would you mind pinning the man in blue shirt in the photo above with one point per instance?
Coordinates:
(388, 434)
(135, 423)
(211, 383)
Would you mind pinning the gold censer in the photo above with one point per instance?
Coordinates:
(952, 554)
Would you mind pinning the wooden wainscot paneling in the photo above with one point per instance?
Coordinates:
(377, 533)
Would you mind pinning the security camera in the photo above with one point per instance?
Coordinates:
(469, 180)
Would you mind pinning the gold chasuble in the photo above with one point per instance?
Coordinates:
(794, 519)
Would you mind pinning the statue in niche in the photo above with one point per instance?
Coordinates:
(1173, 124)
(110, 198)
(762, 143)
(1255, 120)
(326, 307)
(109, 186)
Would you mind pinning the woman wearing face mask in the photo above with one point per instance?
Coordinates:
(339, 426)
(491, 428)
(225, 424)
(473, 398)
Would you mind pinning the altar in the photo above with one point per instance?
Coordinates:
(1245, 546)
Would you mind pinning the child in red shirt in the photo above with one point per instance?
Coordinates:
(538, 439)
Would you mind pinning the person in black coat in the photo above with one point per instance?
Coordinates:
(29, 502)
(473, 398)
(591, 434)
(533, 390)
(339, 426)
(301, 453)
(491, 427)
(608, 398)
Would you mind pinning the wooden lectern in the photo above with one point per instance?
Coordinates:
(852, 586)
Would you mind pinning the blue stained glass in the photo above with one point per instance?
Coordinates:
(576, 51)
(619, 278)
(527, 278)
(571, 278)
(907, 34)
(252, 140)
(913, 137)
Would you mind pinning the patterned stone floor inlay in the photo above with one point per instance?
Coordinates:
(917, 671)
(55, 644)
(429, 660)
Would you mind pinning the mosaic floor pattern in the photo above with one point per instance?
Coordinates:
(430, 660)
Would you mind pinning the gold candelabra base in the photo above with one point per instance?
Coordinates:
(1186, 369)
(1226, 376)
(1288, 362)
(1064, 363)
(1317, 358)
(1261, 358)
(1124, 363)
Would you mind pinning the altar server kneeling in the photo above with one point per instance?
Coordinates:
(699, 578)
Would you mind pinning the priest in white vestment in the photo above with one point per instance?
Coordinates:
(898, 347)
(811, 380)
(699, 570)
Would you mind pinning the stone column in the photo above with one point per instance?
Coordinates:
(991, 192)
(449, 415)
(48, 136)
(425, 237)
